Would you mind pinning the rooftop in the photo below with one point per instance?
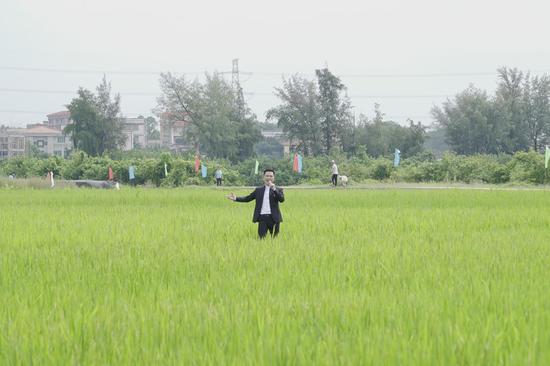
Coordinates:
(60, 114)
(138, 121)
(41, 130)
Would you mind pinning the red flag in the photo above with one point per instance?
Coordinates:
(197, 164)
(295, 165)
(111, 175)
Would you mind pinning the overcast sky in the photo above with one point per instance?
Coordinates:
(406, 55)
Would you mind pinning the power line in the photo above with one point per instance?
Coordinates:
(110, 72)
(259, 73)
(388, 76)
(400, 96)
(84, 71)
(22, 111)
(49, 91)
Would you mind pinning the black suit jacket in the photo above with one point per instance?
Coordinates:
(275, 196)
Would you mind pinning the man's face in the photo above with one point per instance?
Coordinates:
(269, 177)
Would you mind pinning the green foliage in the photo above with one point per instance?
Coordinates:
(528, 167)
(151, 128)
(516, 118)
(299, 114)
(381, 169)
(522, 167)
(381, 138)
(219, 124)
(471, 123)
(335, 111)
(314, 114)
(96, 126)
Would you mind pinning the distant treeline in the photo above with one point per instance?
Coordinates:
(318, 118)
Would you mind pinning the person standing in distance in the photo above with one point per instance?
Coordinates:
(219, 176)
(334, 170)
(266, 213)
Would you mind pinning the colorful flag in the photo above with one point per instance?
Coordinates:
(204, 170)
(197, 164)
(111, 174)
(256, 167)
(546, 157)
(299, 163)
(295, 164)
(396, 158)
(165, 170)
(132, 172)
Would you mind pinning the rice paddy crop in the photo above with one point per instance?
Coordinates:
(357, 277)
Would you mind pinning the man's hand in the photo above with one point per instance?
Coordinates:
(271, 185)
(231, 196)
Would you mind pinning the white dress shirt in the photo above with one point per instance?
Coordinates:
(266, 207)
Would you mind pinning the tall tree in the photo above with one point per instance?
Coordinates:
(471, 122)
(299, 114)
(537, 112)
(510, 106)
(219, 125)
(96, 126)
(335, 109)
(151, 128)
(112, 136)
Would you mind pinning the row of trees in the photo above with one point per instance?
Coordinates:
(316, 115)
(516, 118)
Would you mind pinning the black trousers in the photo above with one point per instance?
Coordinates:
(218, 181)
(266, 224)
(335, 179)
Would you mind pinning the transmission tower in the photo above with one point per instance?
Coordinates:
(235, 73)
(236, 85)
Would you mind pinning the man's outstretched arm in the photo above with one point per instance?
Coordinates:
(248, 198)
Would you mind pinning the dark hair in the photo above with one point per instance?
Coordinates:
(269, 170)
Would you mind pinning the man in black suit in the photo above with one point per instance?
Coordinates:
(266, 213)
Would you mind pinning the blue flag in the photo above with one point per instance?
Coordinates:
(203, 170)
(299, 163)
(132, 172)
(397, 157)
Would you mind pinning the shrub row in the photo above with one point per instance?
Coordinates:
(522, 167)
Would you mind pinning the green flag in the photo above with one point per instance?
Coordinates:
(546, 157)
(256, 168)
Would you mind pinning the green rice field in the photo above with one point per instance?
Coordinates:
(357, 277)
